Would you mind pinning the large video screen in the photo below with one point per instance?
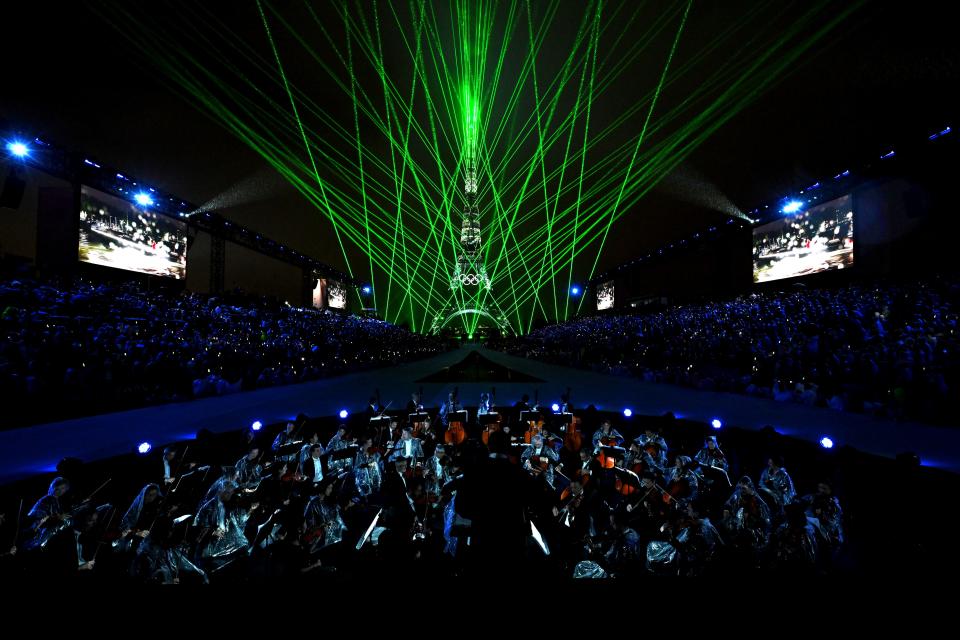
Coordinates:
(605, 296)
(815, 240)
(119, 234)
(336, 295)
(319, 293)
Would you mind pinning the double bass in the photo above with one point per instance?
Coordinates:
(534, 427)
(420, 428)
(455, 433)
(495, 425)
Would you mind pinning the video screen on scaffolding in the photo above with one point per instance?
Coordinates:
(605, 296)
(336, 295)
(120, 234)
(812, 241)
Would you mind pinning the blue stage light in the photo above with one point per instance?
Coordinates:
(343, 414)
(257, 425)
(18, 149)
(367, 289)
(826, 442)
(628, 412)
(555, 407)
(715, 423)
(791, 207)
(144, 448)
(143, 199)
(574, 290)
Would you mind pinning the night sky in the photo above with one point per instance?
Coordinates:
(889, 73)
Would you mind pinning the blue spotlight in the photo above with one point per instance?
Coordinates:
(792, 207)
(144, 448)
(555, 407)
(257, 425)
(143, 199)
(18, 149)
(826, 442)
(367, 289)
(715, 423)
(575, 290)
(628, 412)
(343, 414)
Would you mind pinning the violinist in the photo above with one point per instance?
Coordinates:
(711, 455)
(48, 514)
(338, 442)
(322, 517)
(825, 507)
(655, 445)
(638, 460)
(367, 471)
(407, 446)
(222, 525)
(285, 437)
(249, 471)
(539, 459)
(305, 449)
(606, 435)
(436, 471)
(746, 518)
(143, 512)
(776, 482)
(72, 550)
(681, 481)
(229, 475)
(160, 561)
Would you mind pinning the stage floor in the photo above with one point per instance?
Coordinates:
(37, 449)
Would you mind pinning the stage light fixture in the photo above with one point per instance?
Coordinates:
(144, 448)
(143, 199)
(792, 207)
(257, 425)
(628, 412)
(574, 290)
(18, 149)
(555, 407)
(343, 414)
(826, 442)
(715, 423)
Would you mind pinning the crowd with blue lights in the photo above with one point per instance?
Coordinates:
(85, 348)
(884, 349)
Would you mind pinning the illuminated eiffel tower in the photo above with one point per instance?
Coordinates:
(469, 283)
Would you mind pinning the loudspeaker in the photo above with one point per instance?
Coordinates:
(12, 192)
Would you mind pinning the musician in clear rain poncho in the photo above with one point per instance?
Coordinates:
(776, 482)
(825, 507)
(367, 469)
(160, 561)
(323, 513)
(541, 457)
(746, 517)
(652, 441)
(249, 471)
(222, 525)
(46, 517)
(712, 456)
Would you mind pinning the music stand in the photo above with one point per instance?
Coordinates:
(380, 421)
(562, 419)
(458, 416)
(529, 416)
(488, 418)
(414, 418)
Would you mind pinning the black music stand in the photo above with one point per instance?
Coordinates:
(488, 418)
(529, 416)
(458, 416)
(414, 418)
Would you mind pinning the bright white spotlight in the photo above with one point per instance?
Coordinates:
(715, 423)
(826, 442)
(628, 412)
(367, 289)
(343, 414)
(791, 207)
(143, 199)
(144, 448)
(555, 407)
(257, 425)
(18, 149)
(574, 290)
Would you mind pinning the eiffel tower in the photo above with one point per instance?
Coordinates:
(469, 282)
